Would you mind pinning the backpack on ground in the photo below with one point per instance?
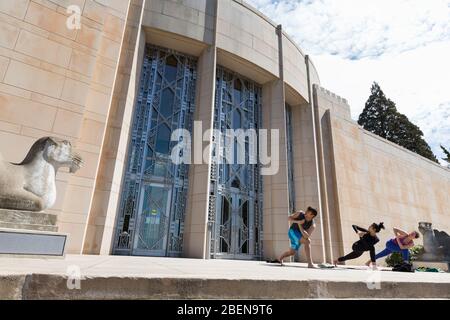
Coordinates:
(403, 267)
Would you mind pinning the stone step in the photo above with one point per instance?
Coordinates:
(25, 218)
(50, 286)
(134, 278)
(38, 227)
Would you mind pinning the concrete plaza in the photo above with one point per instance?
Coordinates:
(116, 277)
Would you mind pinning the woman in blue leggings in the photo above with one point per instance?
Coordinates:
(401, 243)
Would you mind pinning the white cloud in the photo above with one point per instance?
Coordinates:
(404, 45)
(354, 29)
(435, 125)
(417, 81)
(414, 79)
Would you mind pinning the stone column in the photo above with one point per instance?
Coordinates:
(196, 222)
(305, 173)
(322, 179)
(317, 160)
(99, 232)
(196, 241)
(275, 187)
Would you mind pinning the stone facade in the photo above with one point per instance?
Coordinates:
(82, 84)
(59, 81)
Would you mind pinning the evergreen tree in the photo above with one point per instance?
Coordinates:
(447, 155)
(378, 113)
(380, 116)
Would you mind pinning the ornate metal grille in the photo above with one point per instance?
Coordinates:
(151, 215)
(235, 211)
(290, 159)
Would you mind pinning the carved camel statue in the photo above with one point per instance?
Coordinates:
(436, 244)
(30, 185)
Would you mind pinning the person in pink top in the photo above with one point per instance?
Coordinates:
(402, 242)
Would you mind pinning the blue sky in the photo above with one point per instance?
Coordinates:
(404, 45)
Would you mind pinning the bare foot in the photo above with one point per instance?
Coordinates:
(335, 262)
(311, 266)
(368, 263)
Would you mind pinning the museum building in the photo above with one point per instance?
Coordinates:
(136, 71)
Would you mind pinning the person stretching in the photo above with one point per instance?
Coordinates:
(302, 226)
(367, 241)
(401, 243)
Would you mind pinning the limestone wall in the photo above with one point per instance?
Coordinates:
(57, 81)
(248, 35)
(192, 19)
(294, 67)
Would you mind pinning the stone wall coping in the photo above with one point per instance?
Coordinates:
(331, 94)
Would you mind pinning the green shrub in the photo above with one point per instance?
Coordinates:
(393, 259)
(415, 251)
(396, 257)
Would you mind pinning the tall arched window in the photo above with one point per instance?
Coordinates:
(151, 216)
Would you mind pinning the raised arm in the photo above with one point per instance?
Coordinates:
(360, 231)
(399, 232)
(399, 235)
(356, 229)
(294, 216)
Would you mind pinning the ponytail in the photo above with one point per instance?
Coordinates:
(378, 227)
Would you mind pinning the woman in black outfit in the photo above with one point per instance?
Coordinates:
(367, 241)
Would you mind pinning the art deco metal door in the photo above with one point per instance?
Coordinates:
(235, 212)
(153, 220)
(153, 199)
(236, 227)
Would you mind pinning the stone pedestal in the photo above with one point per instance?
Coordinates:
(436, 245)
(30, 233)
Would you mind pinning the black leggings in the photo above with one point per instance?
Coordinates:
(351, 255)
(358, 249)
